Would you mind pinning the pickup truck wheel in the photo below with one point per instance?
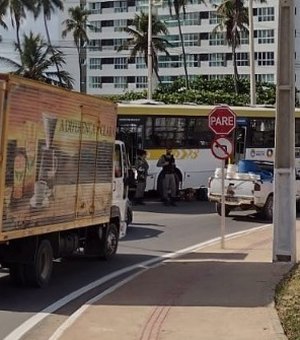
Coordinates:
(227, 209)
(110, 242)
(38, 272)
(268, 208)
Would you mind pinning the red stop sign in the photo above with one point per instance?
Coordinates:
(222, 120)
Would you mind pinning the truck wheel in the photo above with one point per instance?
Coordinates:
(38, 272)
(129, 213)
(218, 209)
(268, 208)
(110, 242)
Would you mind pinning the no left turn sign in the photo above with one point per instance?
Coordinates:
(222, 147)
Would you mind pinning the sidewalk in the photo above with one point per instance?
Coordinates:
(210, 294)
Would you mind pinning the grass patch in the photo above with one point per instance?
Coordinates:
(287, 300)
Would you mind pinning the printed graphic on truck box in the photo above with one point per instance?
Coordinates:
(59, 150)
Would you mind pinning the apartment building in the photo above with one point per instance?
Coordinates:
(107, 71)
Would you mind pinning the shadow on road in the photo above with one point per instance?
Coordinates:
(135, 232)
(182, 207)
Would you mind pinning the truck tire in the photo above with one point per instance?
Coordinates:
(268, 209)
(38, 272)
(129, 217)
(110, 242)
(227, 209)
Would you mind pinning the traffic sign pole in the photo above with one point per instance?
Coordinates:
(222, 121)
(223, 206)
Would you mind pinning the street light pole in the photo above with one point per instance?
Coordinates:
(149, 60)
(284, 240)
(252, 56)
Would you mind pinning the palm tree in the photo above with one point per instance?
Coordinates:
(139, 39)
(77, 24)
(38, 60)
(47, 7)
(180, 6)
(233, 20)
(17, 10)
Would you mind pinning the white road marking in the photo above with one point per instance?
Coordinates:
(145, 265)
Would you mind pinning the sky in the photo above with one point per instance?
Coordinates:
(30, 24)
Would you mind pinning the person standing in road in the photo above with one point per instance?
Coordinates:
(167, 162)
(142, 167)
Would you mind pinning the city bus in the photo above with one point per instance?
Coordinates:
(184, 128)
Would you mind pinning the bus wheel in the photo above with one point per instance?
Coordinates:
(109, 242)
(219, 209)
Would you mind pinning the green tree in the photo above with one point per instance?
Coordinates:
(47, 7)
(77, 25)
(179, 7)
(139, 39)
(38, 60)
(233, 20)
(17, 9)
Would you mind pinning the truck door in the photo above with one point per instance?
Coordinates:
(120, 182)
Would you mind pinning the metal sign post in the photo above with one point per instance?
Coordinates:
(222, 121)
(223, 206)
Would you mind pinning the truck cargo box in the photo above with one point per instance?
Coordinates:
(56, 158)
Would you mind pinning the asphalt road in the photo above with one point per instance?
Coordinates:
(157, 230)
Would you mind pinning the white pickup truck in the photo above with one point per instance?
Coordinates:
(246, 190)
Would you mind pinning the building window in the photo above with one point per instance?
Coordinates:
(214, 18)
(95, 26)
(120, 82)
(265, 14)
(217, 59)
(95, 82)
(95, 7)
(265, 78)
(216, 76)
(120, 6)
(244, 37)
(95, 45)
(95, 64)
(242, 59)
(141, 82)
(172, 61)
(191, 19)
(118, 43)
(192, 60)
(140, 62)
(265, 58)
(191, 39)
(216, 38)
(120, 24)
(174, 40)
(265, 36)
(121, 63)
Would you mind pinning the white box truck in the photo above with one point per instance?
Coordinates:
(63, 178)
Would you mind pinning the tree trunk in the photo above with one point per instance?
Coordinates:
(235, 69)
(52, 50)
(18, 38)
(79, 64)
(183, 53)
